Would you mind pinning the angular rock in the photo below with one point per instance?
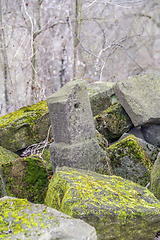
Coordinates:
(140, 97)
(73, 129)
(21, 219)
(24, 127)
(151, 150)
(101, 96)
(155, 178)
(116, 207)
(151, 134)
(26, 178)
(129, 160)
(113, 122)
(137, 132)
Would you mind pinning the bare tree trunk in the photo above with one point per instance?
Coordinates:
(33, 86)
(75, 40)
(5, 66)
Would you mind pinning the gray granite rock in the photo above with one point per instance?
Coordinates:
(23, 220)
(151, 134)
(73, 129)
(140, 97)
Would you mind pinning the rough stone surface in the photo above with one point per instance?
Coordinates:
(129, 160)
(140, 97)
(137, 132)
(73, 129)
(26, 178)
(155, 178)
(6, 155)
(101, 96)
(20, 219)
(113, 122)
(151, 150)
(151, 134)
(24, 127)
(116, 207)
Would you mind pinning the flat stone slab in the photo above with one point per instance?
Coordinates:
(20, 219)
(140, 97)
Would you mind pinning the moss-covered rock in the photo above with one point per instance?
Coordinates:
(155, 178)
(24, 127)
(20, 219)
(129, 160)
(113, 122)
(101, 96)
(116, 207)
(26, 178)
(6, 155)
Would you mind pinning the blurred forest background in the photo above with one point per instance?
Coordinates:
(46, 43)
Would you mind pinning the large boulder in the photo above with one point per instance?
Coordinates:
(129, 160)
(116, 207)
(20, 219)
(140, 97)
(24, 127)
(155, 178)
(113, 122)
(26, 178)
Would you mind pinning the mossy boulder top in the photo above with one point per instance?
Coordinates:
(24, 127)
(116, 207)
(129, 160)
(20, 219)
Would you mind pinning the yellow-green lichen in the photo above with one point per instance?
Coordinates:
(24, 127)
(58, 195)
(109, 199)
(24, 115)
(129, 160)
(19, 215)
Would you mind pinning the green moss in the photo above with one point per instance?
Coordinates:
(26, 178)
(6, 155)
(24, 127)
(129, 160)
(113, 122)
(130, 146)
